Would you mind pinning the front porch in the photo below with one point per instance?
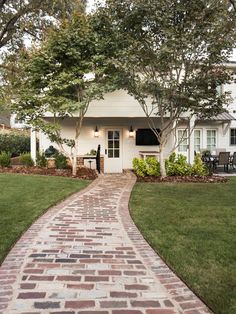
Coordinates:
(118, 142)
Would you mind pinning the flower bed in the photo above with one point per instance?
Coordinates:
(184, 179)
(82, 173)
(177, 170)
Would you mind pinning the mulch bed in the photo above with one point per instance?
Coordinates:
(185, 179)
(82, 173)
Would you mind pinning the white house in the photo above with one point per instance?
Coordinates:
(119, 125)
(17, 123)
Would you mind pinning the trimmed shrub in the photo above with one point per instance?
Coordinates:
(14, 144)
(41, 160)
(26, 160)
(198, 167)
(146, 167)
(140, 167)
(178, 166)
(5, 159)
(153, 166)
(61, 161)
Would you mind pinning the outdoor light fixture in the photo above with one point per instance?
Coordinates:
(131, 131)
(96, 133)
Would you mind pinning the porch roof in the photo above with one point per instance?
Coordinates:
(225, 116)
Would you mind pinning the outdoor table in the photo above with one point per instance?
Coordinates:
(211, 161)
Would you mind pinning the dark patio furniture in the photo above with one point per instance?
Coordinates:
(210, 161)
(233, 161)
(98, 159)
(223, 160)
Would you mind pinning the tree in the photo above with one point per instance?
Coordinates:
(54, 79)
(20, 18)
(170, 55)
(233, 3)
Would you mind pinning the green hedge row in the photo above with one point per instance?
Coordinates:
(14, 144)
(176, 165)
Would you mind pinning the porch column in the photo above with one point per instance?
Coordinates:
(191, 140)
(33, 144)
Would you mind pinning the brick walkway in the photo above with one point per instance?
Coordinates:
(86, 256)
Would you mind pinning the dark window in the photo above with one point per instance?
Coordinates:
(233, 137)
(146, 137)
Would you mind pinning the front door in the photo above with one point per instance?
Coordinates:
(113, 151)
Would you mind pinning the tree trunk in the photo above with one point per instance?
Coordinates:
(74, 162)
(162, 162)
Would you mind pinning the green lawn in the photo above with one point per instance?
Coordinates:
(193, 227)
(24, 198)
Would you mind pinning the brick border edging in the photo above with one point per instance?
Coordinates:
(187, 301)
(14, 260)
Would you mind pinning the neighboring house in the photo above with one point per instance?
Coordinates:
(119, 125)
(17, 123)
(10, 121)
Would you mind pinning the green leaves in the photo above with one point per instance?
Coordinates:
(21, 18)
(170, 53)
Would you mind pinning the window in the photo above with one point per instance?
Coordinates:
(18, 120)
(219, 90)
(197, 141)
(232, 136)
(113, 144)
(211, 140)
(183, 140)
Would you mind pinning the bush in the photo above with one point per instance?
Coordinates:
(26, 160)
(14, 144)
(5, 159)
(178, 166)
(146, 167)
(61, 161)
(153, 167)
(140, 167)
(175, 166)
(198, 167)
(41, 160)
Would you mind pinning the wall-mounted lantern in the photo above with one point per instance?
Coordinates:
(131, 131)
(96, 132)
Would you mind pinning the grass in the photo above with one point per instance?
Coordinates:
(23, 198)
(193, 227)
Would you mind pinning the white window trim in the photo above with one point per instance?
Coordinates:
(233, 145)
(201, 138)
(184, 130)
(216, 130)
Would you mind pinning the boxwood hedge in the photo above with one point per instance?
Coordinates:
(14, 144)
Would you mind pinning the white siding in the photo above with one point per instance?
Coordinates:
(87, 140)
(116, 104)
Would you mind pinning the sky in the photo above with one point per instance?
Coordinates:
(91, 6)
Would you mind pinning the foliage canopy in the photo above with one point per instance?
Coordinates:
(171, 55)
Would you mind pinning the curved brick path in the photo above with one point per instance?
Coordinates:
(86, 256)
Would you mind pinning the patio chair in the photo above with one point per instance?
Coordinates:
(233, 160)
(224, 160)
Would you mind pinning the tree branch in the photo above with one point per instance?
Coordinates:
(10, 27)
(233, 4)
(2, 3)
